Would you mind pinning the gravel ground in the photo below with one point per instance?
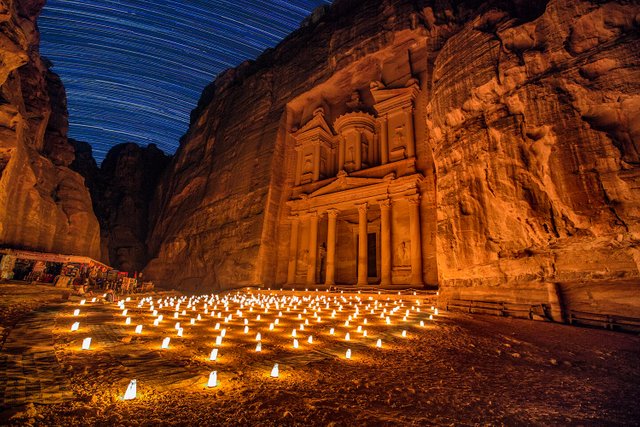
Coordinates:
(456, 370)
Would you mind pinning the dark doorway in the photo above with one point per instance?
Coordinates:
(371, 255)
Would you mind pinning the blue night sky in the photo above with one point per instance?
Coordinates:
(134, 69)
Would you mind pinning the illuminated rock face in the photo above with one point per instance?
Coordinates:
(525, 154)
(43, 204)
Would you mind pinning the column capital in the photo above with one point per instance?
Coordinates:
(294, 218)
(312, 214)
(362, 207)
(333, 213)
(385, 203)
(414, 199)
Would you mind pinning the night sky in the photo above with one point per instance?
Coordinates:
(134, 69)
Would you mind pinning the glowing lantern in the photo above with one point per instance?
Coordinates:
(177, 326)
(176, 315)
(275, 372)
(193, 321)
(165, 343)
(310, 340)
(159, 319)
(82, 301)
(223, 332)
(293, 333)
(155, 312)
(139, 329)
(200, 317)
(127, 321)
(271, 326)
(93, 300)
(404, 334)
(246, 329)
(246, 321)
(364, 333)
(277, 321)
(422, 323)
(301, 327)
(258, 336)
(259, 347)
(348, 354)
(214, 354)
(435, 311)
(124, 312)
(332, 331)
(218, 340)
(217, 326)
(359, 328)
(388, 320)
(347, 337)
(379, 343)
(180, 332)
(258, 317)
(75, 326)
(295, 343)
(86, 343)
(431, 317)
(130, 394)
(213, 379)
(76, 312)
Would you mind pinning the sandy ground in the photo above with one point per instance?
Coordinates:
(456, 370)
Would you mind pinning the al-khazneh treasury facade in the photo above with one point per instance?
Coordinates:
(353, 203)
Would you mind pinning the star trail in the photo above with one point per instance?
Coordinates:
(134, 69)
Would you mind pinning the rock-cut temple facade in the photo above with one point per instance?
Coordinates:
(354, 203)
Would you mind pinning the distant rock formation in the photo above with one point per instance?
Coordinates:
(121, 190)
(43, 204)
(526, 127)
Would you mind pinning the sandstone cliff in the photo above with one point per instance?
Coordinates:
(527, 126)
(43, 204)
(121, 190)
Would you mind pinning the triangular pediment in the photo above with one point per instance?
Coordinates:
(345, 183)
(316, 123)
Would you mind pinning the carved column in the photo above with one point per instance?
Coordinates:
(411, 143)
(293, 250)
(316, 162)
(341, 148)
(362, 244)
(331, 247)
(313, 248)
(298, 166)
(384, 140)
(358, 149)
(385, 241)
(416, 244)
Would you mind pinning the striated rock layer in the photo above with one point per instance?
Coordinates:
(527, 135)
(121, 190)
(44, 205)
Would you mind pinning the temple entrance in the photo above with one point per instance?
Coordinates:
(372, 257)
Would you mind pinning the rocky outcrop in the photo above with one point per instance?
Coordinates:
(527, 120)
(43, 204)
(121, 189)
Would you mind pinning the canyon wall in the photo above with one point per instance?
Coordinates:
(121, 190)
(44, 205)
(527, 123)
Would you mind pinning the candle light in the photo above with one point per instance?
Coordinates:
(86, 343)
(431, 317)
(293, 333)
(131, 392)
(165, 342)
(295, 343)
(404, 334)
(214, 354)
(310, 339)
(213, 379)
(332, 331)
(82, 301)
(364, 333)
(193, 321)
(180, 332)
(347, 337)
(271, 326)
(218, 340)
(348, 354)
(76, 312)
(75, 326)
(127, 321)
(246, 329)
(379, 343)
(124, 312)
(217, 326)
(258, 336)
(139, 329)
(422, 323)
(258, 347)
(275, 372)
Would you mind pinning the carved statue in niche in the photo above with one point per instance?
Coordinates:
(350, 154)
(398, 137)
(403, 253)
(355, 103)
(308, 165)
